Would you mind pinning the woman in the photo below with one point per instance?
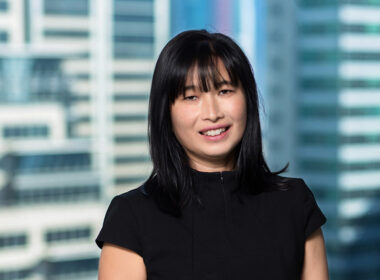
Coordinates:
(211, 208)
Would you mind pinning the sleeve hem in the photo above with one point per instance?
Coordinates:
(314, 218)
(120, 227)
(101, 242)
(313, 227)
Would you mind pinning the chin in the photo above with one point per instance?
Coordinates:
(217, 155)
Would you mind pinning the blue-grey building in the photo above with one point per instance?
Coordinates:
(74, 85)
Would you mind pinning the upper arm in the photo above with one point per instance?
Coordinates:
(315, 260)
(120, 263)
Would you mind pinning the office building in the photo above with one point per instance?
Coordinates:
(74, 85)
(323, 62)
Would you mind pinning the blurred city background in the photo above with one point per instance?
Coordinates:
(74, 87)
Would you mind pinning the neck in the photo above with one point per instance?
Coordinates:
(229, 165)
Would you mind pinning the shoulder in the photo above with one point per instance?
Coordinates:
(295, 185)
(301, 190)
(143, 200)
(300, 198)
(137, 197)
(131, 195)
(296, 190)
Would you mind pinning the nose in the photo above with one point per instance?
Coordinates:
(211, 109)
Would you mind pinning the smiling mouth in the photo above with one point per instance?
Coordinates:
(226, 128)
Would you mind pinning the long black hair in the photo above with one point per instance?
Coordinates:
(170, 179)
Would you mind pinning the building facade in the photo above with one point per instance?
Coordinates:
(323, 59)
(74, 85)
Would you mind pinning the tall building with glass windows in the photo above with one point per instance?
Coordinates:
(280, 86)
(74, 84)
(140, 30)
(324, 56)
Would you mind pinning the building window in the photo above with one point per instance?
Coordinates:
(129, 180)
(41, 131)
(311, 139)
(128, 7)
(319, 83)
(57, 195)
(333, 166)
(130, 97)
(66, 7)
(318, 56)
(120, 18)
(54, 236)
(15, 274)
(132, 159)
(360, 2)
(308, 3)
(311, 3)
(14, 240)
(335, 111)
(369, 83)
(53, 162)
(66, 33)
(133, 76)
(334, 28)
(133, 50)
(360, 139)
(130, 138)
(319, 28)
(133, 27)
(318, 111)
(131, 118)
(73, 269)
(36, 80)
(3, 36)
(361, 56)
(334, 55)
(4, 6)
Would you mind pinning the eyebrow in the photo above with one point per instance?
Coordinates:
(218, 85)
(222, 83)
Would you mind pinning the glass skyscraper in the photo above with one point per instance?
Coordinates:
(323, 62)
(74, 85)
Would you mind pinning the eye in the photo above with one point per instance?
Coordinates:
(190, 97)
(226, 91)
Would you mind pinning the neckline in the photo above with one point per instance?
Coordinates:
(212, 173)
(215, 179)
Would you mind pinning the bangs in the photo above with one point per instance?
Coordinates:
(204, 59)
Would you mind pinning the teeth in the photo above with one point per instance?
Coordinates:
(214, 132)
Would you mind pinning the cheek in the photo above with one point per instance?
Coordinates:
(239, 111)
(180, 119)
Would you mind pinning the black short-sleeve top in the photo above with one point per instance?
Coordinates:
(258, 236)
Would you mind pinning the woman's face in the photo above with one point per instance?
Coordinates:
(199, 113)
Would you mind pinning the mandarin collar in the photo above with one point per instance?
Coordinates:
(215, 179)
